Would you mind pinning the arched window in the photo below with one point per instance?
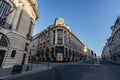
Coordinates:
(13, 53)
(3, 40)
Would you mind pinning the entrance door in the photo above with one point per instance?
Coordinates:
(59, 57)
(59, 53)
(2, 54)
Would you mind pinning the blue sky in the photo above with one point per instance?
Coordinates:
(89, 20)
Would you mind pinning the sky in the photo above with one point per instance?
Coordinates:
(89, 20)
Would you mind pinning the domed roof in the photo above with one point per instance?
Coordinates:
(60, 21)
(59, 18)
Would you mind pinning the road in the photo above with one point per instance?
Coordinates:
(74, 71)
(88, 72)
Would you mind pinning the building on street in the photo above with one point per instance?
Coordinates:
(57, 43)
(106, 53)
(17, 19)
(113, 43)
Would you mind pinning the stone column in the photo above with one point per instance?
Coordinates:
(63, 40)
(68, 53)
(17, 16)
(32, 27)
(51, 37)
(64, 53)
(54, 53)
(56, 36)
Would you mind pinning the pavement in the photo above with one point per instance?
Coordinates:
(4, 72)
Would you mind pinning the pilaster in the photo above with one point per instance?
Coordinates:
(52, 37)
(56, 36)
(63, 41)
(10, 17)
(17, 16)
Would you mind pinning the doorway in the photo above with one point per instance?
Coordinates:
(2, 54)
(59, 57)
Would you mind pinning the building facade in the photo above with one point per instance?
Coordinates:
(34, 47)
(114, 41)
(17, 19)
(106, 53)
(89, 55)
(58, 43)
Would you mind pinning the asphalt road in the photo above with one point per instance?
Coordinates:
(104, 71)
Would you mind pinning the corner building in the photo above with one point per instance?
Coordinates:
(17, 19)
(57, 43)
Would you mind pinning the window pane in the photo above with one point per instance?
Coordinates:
(59, 36)
(3, 41)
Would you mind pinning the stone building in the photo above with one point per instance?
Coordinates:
(34, 46)
(57, 43)
(17, 19)
(106, 53)
(113, 42)
(89, 55)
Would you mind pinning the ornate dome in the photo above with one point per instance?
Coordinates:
(59, 18)
(60, 22)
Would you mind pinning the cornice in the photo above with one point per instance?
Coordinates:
(33, 4)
